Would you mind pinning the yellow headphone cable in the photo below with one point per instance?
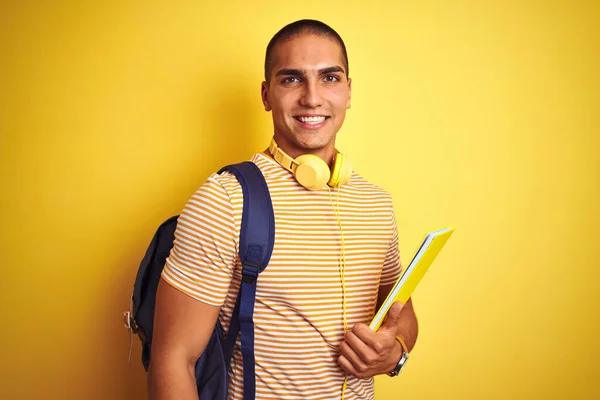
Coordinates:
(336, 209)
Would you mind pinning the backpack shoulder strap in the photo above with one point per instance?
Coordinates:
(257, 231)
(257, 237)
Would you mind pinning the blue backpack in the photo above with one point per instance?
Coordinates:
(257, 236)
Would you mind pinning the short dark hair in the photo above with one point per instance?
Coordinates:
(303, 27)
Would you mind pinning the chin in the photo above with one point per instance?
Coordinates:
(314, 140)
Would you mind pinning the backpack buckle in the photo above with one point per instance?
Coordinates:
(130, 322)
(250, 271)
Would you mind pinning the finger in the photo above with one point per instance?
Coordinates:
(393, 316)
(367, 336)
(351, 355)
(347, 366)
(365, 353)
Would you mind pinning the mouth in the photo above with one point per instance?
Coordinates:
(311, 121)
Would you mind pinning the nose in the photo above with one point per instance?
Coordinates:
(312, 96)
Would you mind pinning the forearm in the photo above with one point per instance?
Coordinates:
(171, 380)
(408, 326)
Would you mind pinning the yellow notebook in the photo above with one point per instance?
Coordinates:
(430, 247)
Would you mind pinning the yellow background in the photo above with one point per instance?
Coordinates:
(481, 115)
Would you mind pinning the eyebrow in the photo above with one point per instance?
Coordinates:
(300, 72)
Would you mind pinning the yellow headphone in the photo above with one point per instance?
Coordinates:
(311, 171)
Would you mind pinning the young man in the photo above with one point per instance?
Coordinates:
(335, 257)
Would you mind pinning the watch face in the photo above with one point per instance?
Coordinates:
(403, 360)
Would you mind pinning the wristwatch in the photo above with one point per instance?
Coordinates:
(403, 359)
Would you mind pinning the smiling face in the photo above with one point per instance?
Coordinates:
(308, 94)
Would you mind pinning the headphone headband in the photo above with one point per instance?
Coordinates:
(311, 171)
(282, 158)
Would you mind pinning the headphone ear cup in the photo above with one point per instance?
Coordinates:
(342, 170)
(312, 172)
(338, 161)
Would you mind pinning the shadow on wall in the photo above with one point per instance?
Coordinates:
(230, 129)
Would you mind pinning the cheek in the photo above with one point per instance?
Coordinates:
(282, 103)
(339, 98)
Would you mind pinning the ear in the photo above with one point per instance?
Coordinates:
(349, 93)
(264, 93)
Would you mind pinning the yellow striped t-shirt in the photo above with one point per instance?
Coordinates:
(298, 312)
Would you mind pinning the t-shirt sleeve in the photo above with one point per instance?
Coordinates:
(204, 252)
(392, 266)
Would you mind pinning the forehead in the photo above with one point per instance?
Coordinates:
(307, 52)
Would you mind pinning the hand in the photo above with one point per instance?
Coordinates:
(366, 353)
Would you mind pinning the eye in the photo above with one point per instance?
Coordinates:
(291, 79)
(331, 78)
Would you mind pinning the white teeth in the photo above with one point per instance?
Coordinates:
(312, 120)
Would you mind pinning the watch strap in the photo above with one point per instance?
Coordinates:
(402, 343)
(403, 357)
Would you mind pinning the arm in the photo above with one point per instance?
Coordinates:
(182, 328)
(194, 283)
(366, 353)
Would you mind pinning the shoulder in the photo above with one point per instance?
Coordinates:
(225, 185)
(369, 190)
(229, 183)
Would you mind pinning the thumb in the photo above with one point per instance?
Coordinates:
(393, 316)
